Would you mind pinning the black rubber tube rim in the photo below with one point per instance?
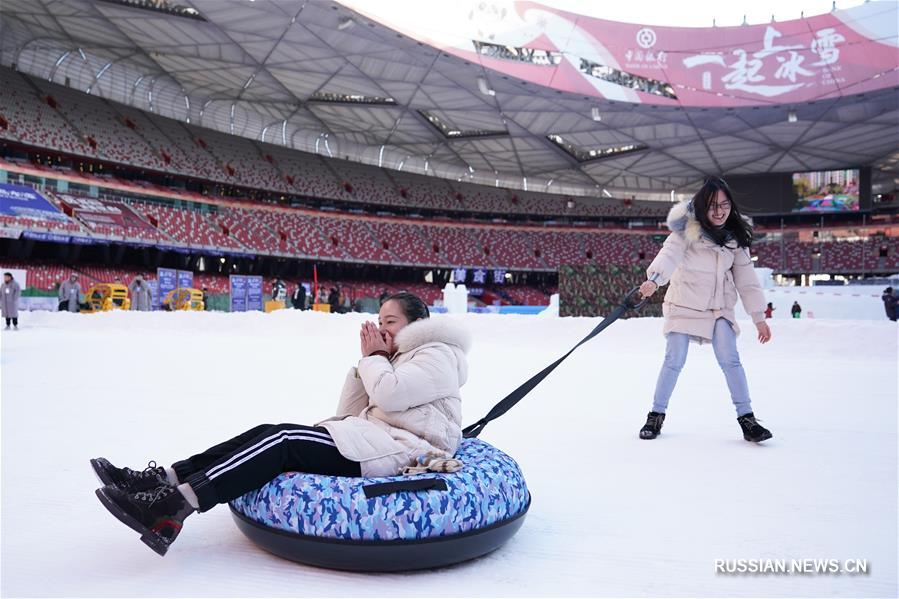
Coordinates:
(362, 543)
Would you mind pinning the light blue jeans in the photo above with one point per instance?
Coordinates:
(724, 342)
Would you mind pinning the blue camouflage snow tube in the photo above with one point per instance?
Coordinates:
(389, 523)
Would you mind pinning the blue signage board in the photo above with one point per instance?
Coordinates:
(238, 293)
(254, 293)
(185, 278)
(168, 281)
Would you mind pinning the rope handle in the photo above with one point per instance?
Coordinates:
(629, 302)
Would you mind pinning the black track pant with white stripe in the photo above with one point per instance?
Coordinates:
(248, 461)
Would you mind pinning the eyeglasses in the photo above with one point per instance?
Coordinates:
(722, 207)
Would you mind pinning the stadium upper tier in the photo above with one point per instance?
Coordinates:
(216, 228)
(50, 116)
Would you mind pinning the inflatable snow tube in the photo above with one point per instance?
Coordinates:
(389, 524)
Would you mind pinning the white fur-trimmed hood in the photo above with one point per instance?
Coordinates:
(432, 330)
(681, 219)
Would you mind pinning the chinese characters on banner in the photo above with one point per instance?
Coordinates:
(479, 276)
(777, 68)
(645, 57)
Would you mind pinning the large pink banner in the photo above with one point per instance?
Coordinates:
(841, 53)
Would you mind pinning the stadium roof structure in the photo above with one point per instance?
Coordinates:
(506, 93)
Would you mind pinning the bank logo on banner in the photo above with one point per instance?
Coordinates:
(646, 38)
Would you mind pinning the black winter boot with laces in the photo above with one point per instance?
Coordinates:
(752, 430)
(127, 479)
(653, 426)
(157, 513)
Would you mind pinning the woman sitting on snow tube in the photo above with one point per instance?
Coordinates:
(401, 402)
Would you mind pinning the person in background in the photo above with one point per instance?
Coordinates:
(9, 300)
(205, 299)
(57, 287)
(141, 297)
(769, 310)
(279, 290)
(298, 299)
(334, 299)
(888, 297)
(70, 294)
(796, 310)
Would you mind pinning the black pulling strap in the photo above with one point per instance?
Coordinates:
(628, 303)
(412, 484)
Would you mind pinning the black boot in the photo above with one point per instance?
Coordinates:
(157, 514)
(127, 479)
(653, 426)
(752, 430)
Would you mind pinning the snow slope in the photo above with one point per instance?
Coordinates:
(611, 514)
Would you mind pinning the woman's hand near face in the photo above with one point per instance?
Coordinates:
(388, 341)
(371, 341)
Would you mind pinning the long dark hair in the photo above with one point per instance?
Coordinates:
(412, 305)
(735, 227)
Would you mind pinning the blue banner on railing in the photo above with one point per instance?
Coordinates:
(85, 240)
(25, 202)
(238, 293)
(39, 236)
(254, 293)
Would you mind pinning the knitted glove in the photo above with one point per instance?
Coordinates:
(433, 462)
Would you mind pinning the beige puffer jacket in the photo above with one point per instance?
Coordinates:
(705, 279)
(392, 411)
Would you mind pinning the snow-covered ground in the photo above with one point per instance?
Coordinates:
(611, 514)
